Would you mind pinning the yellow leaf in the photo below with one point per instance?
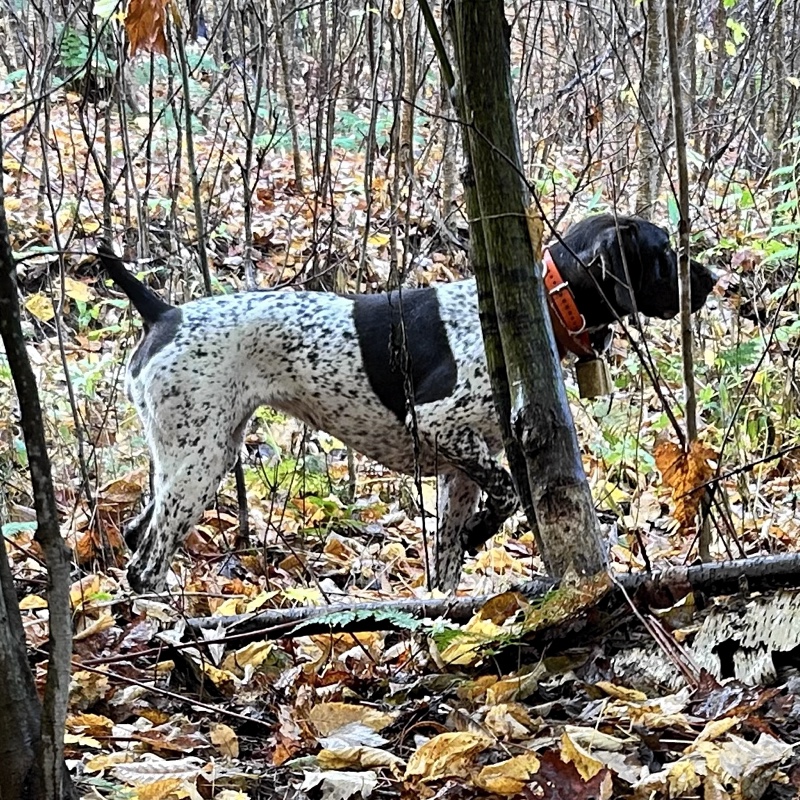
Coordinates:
(82, 591)
(587, 765)
(160, 790)
(330, 717)
(683, 778)
(621, 692)
(90, 225)
(379, 239)
(106, 760)
(517, 687)
(357, 758)
(40, 306)
(308, 595)
(32, 601)
(105, 621)
(251, 655)
(508, 777)
(258, 601)
(78, 290)
(447, 755)
(467, 647)
(89, 723)
(229, 607)
(225, 739)
(510, 720)
(81, 739)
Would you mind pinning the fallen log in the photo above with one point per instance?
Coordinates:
(659, 588)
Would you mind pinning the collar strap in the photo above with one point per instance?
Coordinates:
(569, 325)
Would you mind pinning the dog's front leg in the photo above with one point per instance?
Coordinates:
(468, 529)
(133, 529)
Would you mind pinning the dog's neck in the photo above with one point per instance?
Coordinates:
(592, 288)
(569, 324)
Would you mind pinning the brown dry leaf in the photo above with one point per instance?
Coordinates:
(93, 724)
(683, 473)
(503, 606)
(224, 737)
(510, 720)
(327, 718)
(447, 755)
(86, 688)
(144, 24)
(124, 491)
(508, 777)
(91, 544)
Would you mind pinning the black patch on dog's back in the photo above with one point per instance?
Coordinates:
(160, 334)
(432, 366)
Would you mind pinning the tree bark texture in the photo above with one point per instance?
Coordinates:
(649, 102)
(532, 400)
(25, 726)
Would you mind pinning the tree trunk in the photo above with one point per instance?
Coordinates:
(19, 706)
(649, 126)
(32, 735)
(538, 428)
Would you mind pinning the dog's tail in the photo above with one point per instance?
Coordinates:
(144, 300)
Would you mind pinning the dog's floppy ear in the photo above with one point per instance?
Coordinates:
(624, 272)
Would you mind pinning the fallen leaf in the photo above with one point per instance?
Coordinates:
(337, 785)
(447, 755)
(683, 473)
(41, 306)
(330, 717)
(224, 737)
(508, 777)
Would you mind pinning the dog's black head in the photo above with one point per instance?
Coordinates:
(629, 261)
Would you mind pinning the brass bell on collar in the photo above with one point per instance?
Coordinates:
(594, 378)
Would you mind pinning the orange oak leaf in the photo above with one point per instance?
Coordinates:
(145, 23)
(684, 473)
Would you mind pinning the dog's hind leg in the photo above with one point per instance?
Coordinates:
(471, 456)
(187, 475)
(458, 500)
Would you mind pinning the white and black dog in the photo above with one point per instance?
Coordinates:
(201, 370)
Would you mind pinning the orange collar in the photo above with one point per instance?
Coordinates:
(569, 325)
